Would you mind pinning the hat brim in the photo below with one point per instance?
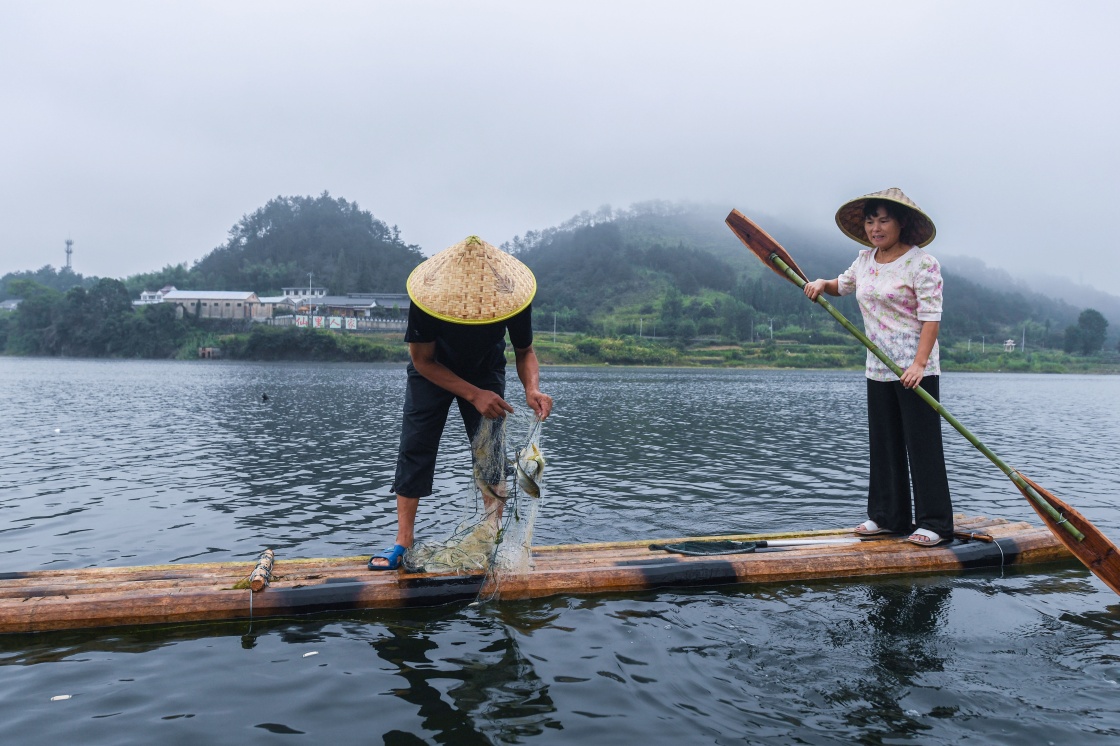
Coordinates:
(472, 282)
(501, 316)
(849, 218)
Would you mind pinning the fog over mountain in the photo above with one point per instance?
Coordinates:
(144, 130)
(1076, 294)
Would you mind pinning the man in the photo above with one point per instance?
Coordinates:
(464, 300)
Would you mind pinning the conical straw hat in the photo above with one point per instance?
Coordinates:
(472, 282)
(850, 217)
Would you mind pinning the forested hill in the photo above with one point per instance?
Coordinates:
(681, 267)
(296, 241)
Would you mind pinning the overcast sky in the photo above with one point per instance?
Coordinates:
(145, 130)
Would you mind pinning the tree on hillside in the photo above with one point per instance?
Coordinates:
(737, 319)
(99, 322)
(592, 268)
(581, 269)
(46, 276)
(334, 241)
(672, 311)
(31, 327)
(690, 269)
(91, 323)
(1088, 335)
(175, 275)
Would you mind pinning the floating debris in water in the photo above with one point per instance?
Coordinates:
(313, 652)
(59, 697)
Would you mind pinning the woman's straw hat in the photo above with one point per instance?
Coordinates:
(850, 218)
(472, 282)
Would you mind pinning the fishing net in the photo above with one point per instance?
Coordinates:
(494, 536)
(707, 548)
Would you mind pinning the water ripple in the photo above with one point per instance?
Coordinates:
(149, 462)
(154, 462)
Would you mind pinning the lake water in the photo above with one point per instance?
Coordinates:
(127, 463)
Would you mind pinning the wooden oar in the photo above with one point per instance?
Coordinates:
(1081, 537)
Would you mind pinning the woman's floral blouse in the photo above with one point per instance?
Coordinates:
(895, 299)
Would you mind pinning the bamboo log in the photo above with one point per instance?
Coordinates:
(804, 564)
(46, 600)
(262, 573)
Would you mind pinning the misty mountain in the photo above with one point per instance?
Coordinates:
(600, 262)
(1075, 294)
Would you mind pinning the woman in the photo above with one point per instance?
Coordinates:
(898, 286)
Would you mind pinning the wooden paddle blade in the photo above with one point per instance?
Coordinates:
(761, 243)
(1095, 552)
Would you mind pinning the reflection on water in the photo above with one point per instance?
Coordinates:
(934, 660)
(905, 643)
(490, 689)
(141, 462)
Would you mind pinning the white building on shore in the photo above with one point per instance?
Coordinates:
(219, 304)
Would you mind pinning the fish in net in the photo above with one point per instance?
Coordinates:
(494, 536)
(515, 550)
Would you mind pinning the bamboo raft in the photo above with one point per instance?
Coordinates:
(102, 597)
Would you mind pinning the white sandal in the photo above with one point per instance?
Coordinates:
(869, 528)
(923, 537)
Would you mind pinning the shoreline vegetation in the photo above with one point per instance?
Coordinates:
(655, 285)
(570, 348)
(791, 348)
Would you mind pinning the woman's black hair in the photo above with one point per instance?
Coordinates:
(901, 213)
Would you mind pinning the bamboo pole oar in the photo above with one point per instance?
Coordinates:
(1081, 537)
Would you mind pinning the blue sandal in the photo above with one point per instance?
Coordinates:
(393, 556)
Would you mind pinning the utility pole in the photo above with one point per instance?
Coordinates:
(69, 251)
(553, 326)
(1024, 338)
(771, 330)
(639, 327)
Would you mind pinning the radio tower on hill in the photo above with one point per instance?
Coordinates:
(69, 251)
